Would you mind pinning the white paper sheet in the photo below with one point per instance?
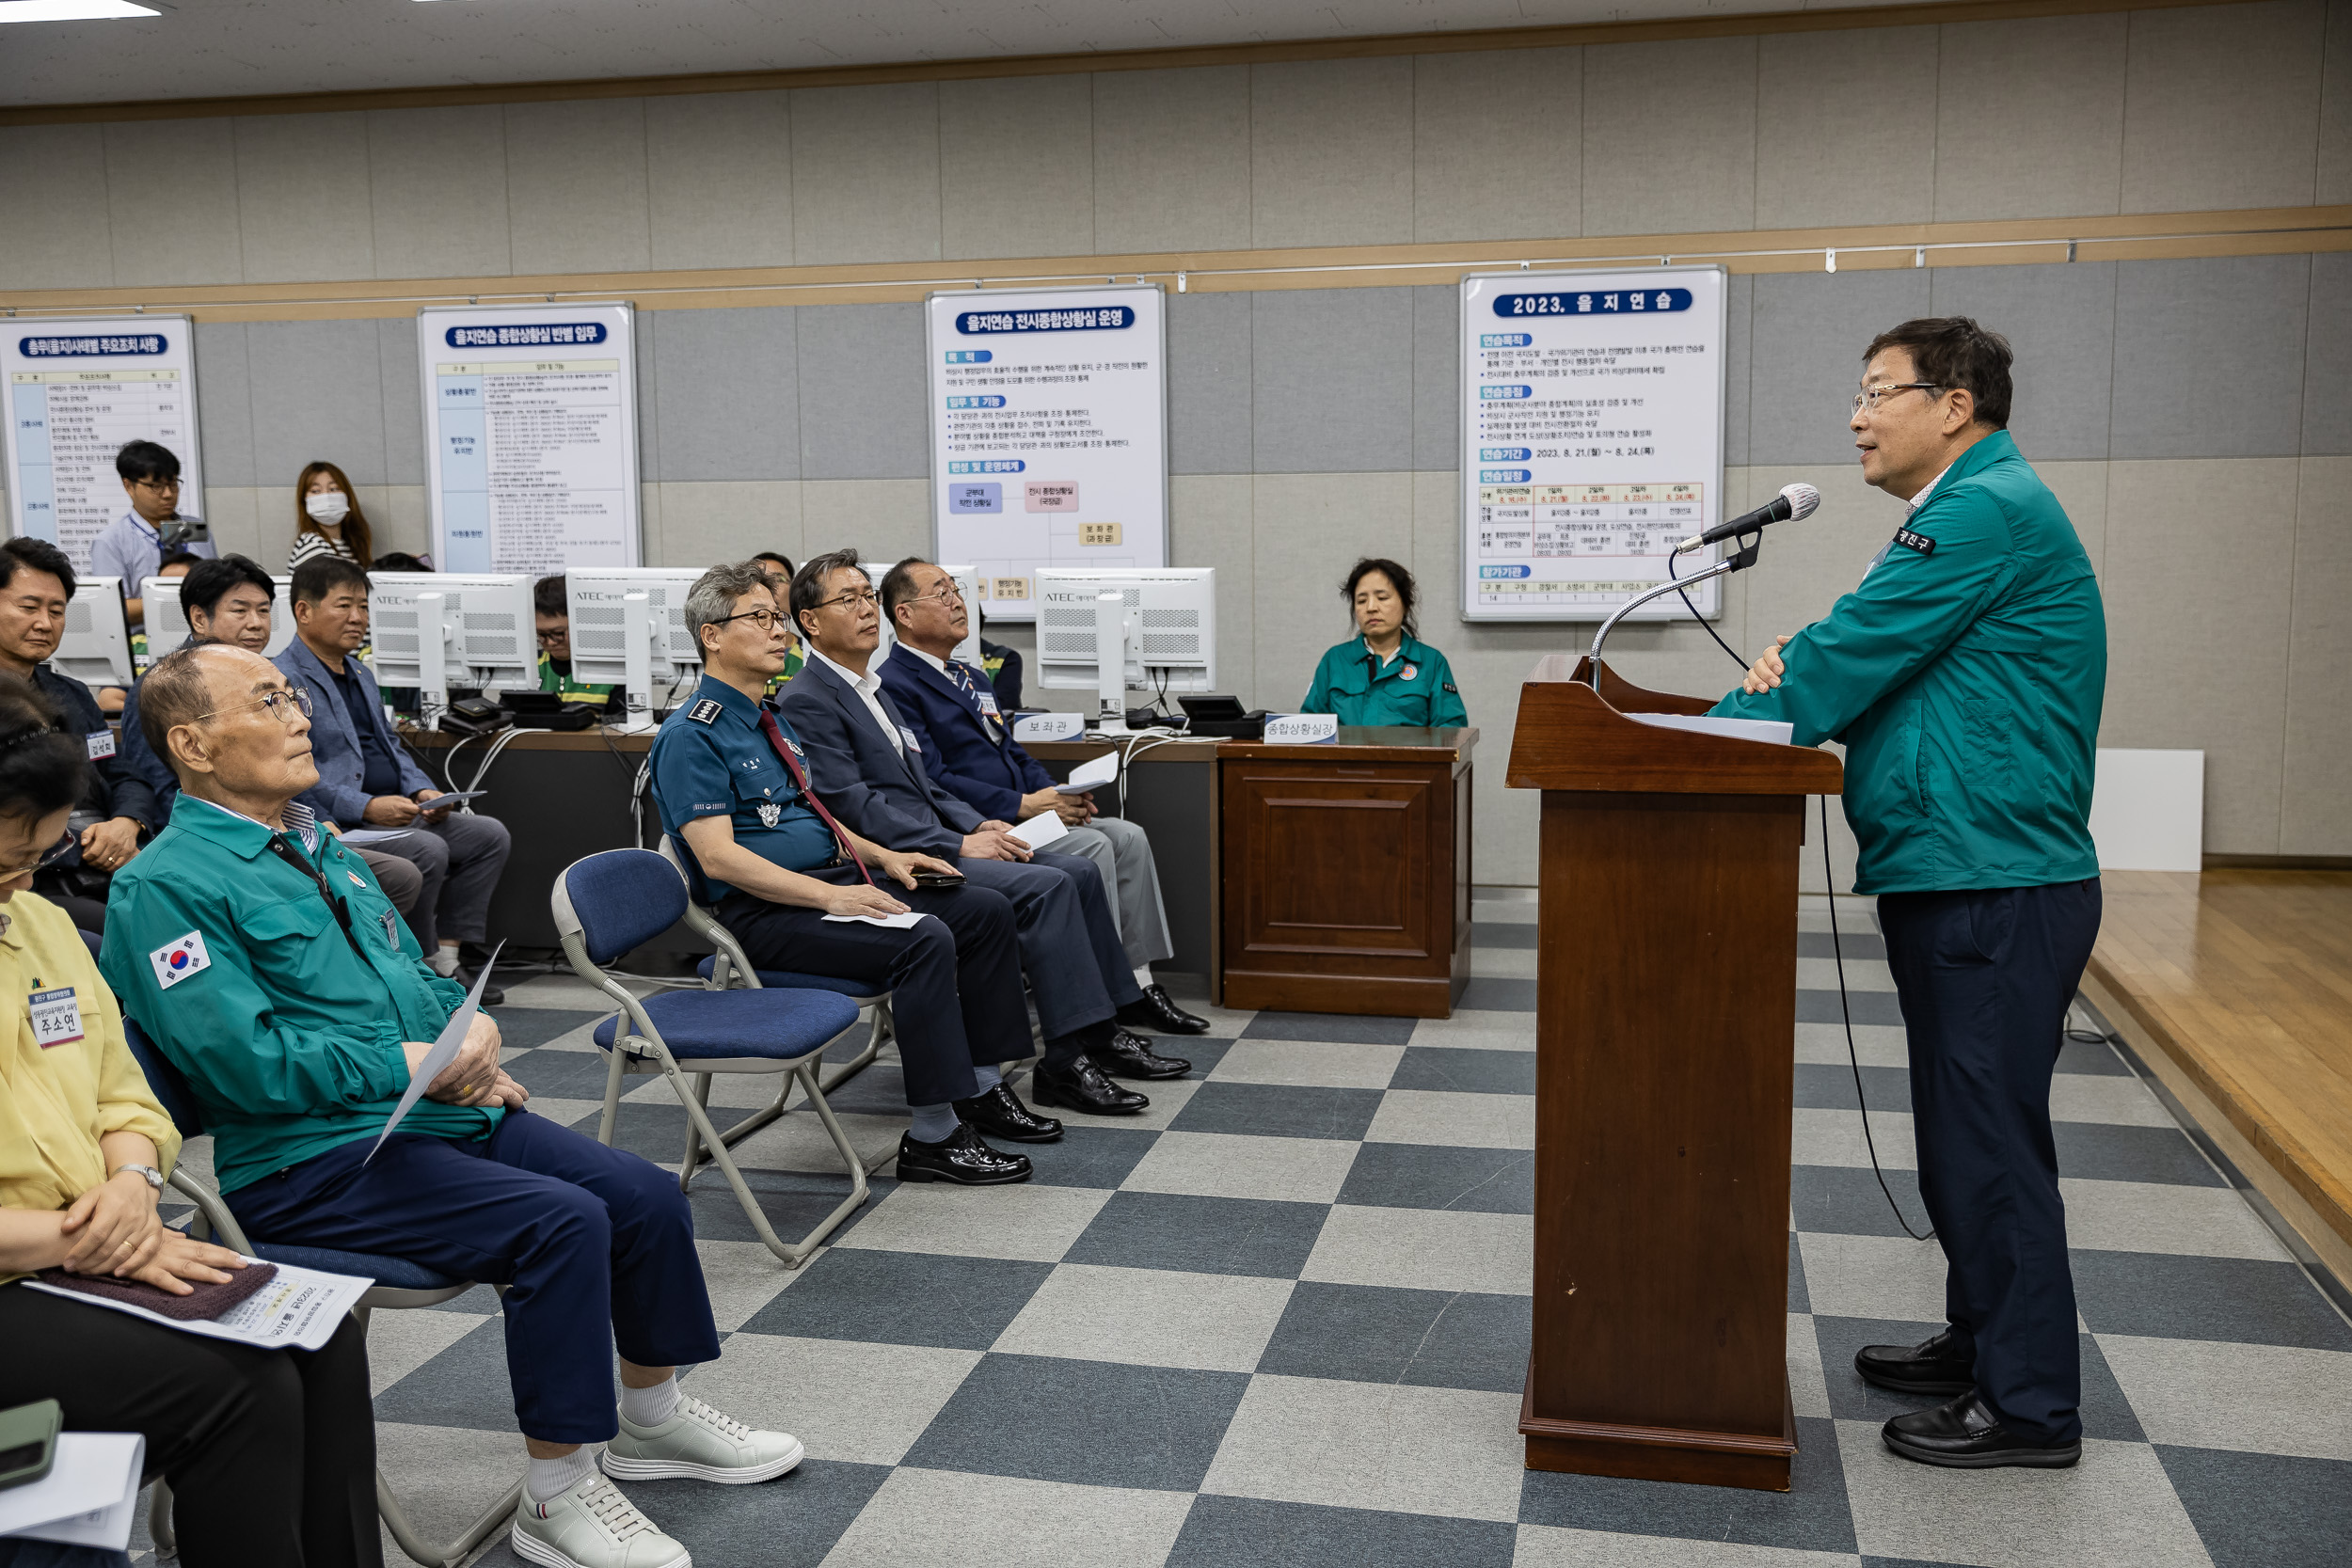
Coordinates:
(1772, 731)
(1041, 830)
(1091, 774)
(299, 1307)
(88, 1497)
(444, 1052)
(361, 837)
(897, 922)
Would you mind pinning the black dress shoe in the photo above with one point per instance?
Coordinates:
(1000, 1115)
(1933, 1367)
(1132, 1056)
(1966, 1436)
(1082, 1086)
(491, 994)
(1157, 1010)
(963, 1159)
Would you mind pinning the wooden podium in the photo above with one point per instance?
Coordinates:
(1665, 1026)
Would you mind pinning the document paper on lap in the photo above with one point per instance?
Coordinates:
(1092, 775)
(1041, 831)
(444, 1052)
(88, 1497)
(298, 1309)
(897, 922)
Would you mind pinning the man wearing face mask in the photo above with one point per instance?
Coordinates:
(229, 600)
(132, 545)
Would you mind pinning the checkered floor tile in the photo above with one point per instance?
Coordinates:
(1284, 1319)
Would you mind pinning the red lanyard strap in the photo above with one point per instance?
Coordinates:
(800, 779)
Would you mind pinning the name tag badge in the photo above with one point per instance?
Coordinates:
(56, 1017)
(912, 744)
(101, 744)
(392, 930)
(987, 700)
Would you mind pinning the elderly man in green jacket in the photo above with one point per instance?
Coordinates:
(1965, 675)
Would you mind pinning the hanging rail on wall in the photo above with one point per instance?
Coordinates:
(2038, 249)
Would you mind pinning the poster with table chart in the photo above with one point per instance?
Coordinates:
(1049, 434)
(530, 435)
(77, 391)
(1592, 439)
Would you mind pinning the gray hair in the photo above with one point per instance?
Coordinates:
(711, 600)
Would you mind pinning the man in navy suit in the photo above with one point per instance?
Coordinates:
(869, 764)
(970, 752)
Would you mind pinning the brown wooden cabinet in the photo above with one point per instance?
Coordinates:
(1346, 871)
(1666, 1016)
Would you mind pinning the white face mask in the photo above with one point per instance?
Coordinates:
(330, 506)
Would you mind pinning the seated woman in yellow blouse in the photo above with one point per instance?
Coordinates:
(271, 1454)
(1385, 674)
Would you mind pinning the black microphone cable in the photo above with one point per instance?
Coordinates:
(1837, 947)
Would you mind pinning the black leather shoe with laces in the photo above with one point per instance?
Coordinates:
(1964, 1435)
(964, 1160)
(1936, 1366)
(1000, 1115)
(1158, 1010)
(1130, 1056)
(1081, 1086)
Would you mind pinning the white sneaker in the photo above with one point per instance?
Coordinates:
(592, 1526)
(698, 1443)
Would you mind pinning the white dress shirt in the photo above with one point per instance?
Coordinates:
(868, 687)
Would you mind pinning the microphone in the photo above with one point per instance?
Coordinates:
(1794, 501)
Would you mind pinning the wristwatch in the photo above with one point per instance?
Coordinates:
(148, 1174)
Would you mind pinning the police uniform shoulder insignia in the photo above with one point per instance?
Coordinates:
(1911, 541)
(704, 711)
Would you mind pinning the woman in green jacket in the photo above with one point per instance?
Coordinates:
(1385, 674)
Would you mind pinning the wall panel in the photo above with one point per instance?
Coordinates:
(53, 170)
(1331, 152)
(2224, 107)
(719, 169)
(437, 191)
(2029, 117)
(1497, 145)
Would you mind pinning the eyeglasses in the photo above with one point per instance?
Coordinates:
(856, 599)
(563, 634)
(49, 856)
(1870, 397)
(163, 486)
(946, 592)
(766, 620)
(282, 706)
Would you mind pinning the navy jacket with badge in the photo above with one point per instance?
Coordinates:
(971, 758)
(867, 784)
(114, 789)
(713, 759)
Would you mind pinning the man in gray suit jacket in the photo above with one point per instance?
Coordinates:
(868, 765)
(367, 780)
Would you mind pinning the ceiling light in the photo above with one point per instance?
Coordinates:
(71, 11)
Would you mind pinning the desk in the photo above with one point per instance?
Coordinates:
(565, 794)
(1346, 871)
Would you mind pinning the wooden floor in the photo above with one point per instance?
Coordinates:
(2241, 982)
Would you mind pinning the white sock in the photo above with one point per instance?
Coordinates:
(552, 1477)
(1143, 976)
(649, 1407)
(443, 960)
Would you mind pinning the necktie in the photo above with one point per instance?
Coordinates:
(963, 678)
(800, 779)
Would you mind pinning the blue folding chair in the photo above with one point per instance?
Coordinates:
(729, 969)
(399, 1283)
(610, 903)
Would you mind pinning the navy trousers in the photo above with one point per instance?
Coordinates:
(955, 980)
(595, 1244)
(1070, 947)
(1984, 978)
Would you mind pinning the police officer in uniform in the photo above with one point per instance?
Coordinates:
(731, 781)
(1385, 674)
(1965, 675)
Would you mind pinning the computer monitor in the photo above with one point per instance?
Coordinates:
(167, 623)
(967, 581)
(96, 647)
(1148, 629)
(629, 629)
(426, 626)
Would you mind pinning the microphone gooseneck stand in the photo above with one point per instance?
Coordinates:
(1739, 560)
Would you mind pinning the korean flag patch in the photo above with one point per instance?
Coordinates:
(174, 961)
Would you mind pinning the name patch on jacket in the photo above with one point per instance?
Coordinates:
(704, 711)
(1911, 541)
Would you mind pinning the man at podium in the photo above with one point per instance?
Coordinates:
(1965, 675)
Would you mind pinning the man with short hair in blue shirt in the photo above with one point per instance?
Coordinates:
(132, 546)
